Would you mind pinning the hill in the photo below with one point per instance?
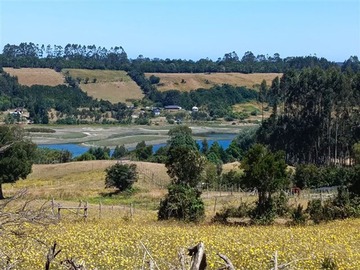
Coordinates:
(40, 76)
(112, 85)
(191, 81)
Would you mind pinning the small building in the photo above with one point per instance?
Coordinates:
(194, 109)
(173, 108)
(156, 111)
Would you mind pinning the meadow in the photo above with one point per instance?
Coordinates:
(112, 85)
(40, 76)
(116, 237)
(190, 81)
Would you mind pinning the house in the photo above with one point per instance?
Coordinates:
(156, 111)
(172, 108)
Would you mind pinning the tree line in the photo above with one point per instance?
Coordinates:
(315, 117)
(97, 57)
(71, 104)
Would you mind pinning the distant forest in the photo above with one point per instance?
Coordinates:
(93, 57)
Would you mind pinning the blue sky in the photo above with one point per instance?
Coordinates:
(184, 29)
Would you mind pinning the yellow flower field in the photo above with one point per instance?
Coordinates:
(116, 244)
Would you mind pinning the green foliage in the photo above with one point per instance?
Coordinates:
(232, 178)
(242, 211)
(100, 153)
(121, 176)
(47, 156)
(142, 151)
(314, 116)
(119, 152)
(329, 263)
(154, 79)
(298, 216)
(182, 202)
(16, 155)
(264, 171)
(86, 156)
(306, 176)
(315, 210)
(185, 165)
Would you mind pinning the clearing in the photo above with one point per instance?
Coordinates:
(191, 81)
(112, 85)
(40, 76)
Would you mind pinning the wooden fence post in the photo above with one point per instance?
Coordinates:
(59, 208)
(86, 210)
(215, 205)
(53, 206)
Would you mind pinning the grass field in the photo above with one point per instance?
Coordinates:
(112, 85)
(41, 76)
(115, 239)
(191, 81)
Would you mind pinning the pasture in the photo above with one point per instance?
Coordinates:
(112, 85)
(115, 237)
(191, 81)
(40, 76)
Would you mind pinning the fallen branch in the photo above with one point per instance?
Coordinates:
(228, 263)
(149, 254)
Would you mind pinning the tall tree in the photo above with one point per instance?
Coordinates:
(16, 155)
(185, 166)
(266, 172)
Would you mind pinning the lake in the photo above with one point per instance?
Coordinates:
(223, 139)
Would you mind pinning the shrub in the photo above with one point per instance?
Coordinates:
(121, 176)
(182, 202)
(298, 216)
(315, 210)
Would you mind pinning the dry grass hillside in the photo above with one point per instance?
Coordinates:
(85, 180)
(41, 76)
(112, 85)
(191, 81)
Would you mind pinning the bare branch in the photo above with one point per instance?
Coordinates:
(228, 263)
(51, 256)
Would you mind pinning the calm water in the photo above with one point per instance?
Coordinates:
(223, 139)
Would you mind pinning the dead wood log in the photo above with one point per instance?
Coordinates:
(228, 263)
(198, 257)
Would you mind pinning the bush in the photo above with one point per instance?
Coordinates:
(242, 211)
(121, 176)
(263, 214)
(182, 202)
(298, 216)
(315, 210)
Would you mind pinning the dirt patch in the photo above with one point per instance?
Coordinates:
(40, 76)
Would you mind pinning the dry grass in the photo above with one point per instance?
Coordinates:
(86, 180)
(100, 75)
(249, 107)
(40, 76)
(201, 80)
(113, 91)
(113, 85)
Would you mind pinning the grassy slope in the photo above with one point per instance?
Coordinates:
(85, 180)
(202, 80)
(112, 85)
(41, 76)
